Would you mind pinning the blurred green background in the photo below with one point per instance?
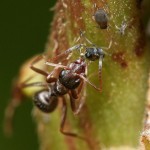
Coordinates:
(24, 27)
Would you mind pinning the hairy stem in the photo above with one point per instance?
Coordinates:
(112, 119)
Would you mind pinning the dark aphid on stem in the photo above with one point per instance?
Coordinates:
(101, 18)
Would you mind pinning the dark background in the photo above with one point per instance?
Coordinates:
(24, 27)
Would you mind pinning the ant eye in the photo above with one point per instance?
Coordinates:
(89, 53)
(101, 18)
(44, 101)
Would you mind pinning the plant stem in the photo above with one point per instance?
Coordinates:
(112, 119)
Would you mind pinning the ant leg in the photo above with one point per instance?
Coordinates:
(63, 119)
(42, 72)
(81, 104)
(17, 99)
(82, 34)
(66, 52)
(106, 48)
(86, 80)
(35, 84)
(81, 99)
(55, 65)
(73, 96)
(55, 71)
(100, 71)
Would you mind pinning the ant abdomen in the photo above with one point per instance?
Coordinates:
(44, 101)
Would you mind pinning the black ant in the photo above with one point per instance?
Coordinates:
(46, 100)
(69, 80)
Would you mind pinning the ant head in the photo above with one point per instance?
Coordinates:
(44, 101)
(93, 53)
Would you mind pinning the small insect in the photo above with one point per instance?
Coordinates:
(101, 18)
(100, 15)
(125, 24)
(122, 28)
(19, 91)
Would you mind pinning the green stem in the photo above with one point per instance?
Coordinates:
(113, 118)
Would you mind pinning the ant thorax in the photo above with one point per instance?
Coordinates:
(58, 89)
(78, 66)
(70, 77)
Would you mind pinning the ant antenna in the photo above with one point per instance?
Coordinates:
(82, 34)
(100, 71)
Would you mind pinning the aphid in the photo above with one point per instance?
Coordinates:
(122, 28)
(101, 18)
(125, 24)
(100, 15)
